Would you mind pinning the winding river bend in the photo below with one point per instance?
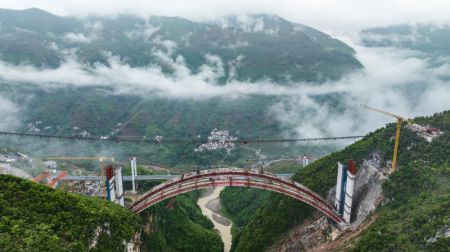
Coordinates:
(209, 202)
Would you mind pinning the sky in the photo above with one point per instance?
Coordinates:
(332, 16)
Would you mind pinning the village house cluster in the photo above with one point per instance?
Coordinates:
(217, 140)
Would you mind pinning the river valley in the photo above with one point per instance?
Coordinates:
(210, 205)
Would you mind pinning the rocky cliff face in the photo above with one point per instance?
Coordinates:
(134, 245)
(368, 191)
(310, 234)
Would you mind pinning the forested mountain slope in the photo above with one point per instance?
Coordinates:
(251, 42)
(34, 217)
(416, 208)
(104, 76)
(177, 224)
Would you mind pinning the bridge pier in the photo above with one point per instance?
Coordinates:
(133, 174)
(119, 185)
(344, 190)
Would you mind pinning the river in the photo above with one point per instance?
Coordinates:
(209, 202)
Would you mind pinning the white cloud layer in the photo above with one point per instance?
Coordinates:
(9, 114)
(93, 31)
(393, 80)
(335, 17)
(396, 80)
(142, 80)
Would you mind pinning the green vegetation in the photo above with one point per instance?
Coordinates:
(240, 205)
(302, 53)
(279, 213)
(418, 210)
(414, 217)
(34, 217)
(177, 224)
(291, 166)
(419, 198)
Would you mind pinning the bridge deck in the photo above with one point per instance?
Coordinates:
(146, 177)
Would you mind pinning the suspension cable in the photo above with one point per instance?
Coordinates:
(173, 141)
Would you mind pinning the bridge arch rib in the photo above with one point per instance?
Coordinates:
(237, 178)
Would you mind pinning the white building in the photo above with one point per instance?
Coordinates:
(218, 139)
(426, 132)
(305, 160)
(51, 164)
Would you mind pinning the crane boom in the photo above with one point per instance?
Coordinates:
(384, 112)
(400, 119)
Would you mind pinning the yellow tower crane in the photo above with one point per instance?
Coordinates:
(102, 166)
(400, 119)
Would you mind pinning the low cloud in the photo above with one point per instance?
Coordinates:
(400, 81)
(77, 37)
(395, 80)
(9, 114)
(144, 31)
(250, 24)
(92, 33)
(181, 83)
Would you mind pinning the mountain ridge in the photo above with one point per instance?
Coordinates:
(243, 51)
(297, 50)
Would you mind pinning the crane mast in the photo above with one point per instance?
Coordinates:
(400, 120)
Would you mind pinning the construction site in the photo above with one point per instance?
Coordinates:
(360, 185)
(108, 184)
(346, 211)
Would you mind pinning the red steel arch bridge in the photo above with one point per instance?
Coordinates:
(235, 177)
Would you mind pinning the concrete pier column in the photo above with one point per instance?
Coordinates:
(119, 185)
(351, 173)
(340, 188)
(133, 174)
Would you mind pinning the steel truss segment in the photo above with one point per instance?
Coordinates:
(236, 178)
(230, 172)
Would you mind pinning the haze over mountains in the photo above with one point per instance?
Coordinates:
(165, 57)
(242, 43)
(258, 75)
(426, 38)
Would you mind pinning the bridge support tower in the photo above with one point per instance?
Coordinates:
(344, 189)
(133, 174)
